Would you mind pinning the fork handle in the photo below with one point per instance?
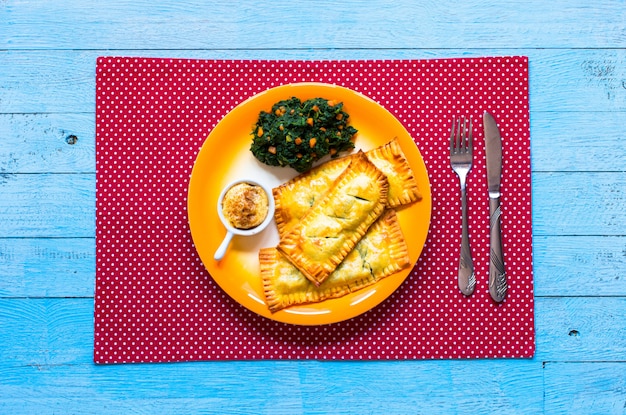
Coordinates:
(497, 277)
(467, 279)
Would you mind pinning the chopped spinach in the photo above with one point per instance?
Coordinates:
(296, 133)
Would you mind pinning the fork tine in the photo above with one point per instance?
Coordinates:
(458, 135)
(461, 134)
(452, 137)
(470, 144)
(464, 135)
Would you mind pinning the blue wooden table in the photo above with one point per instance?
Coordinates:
(577, 53)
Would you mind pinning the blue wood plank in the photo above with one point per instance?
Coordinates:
(48, 341)
(47, 205)
(578, 204)
(579, 265)
(41, 331)
(46, 362)
(44, 267)
(62, 205)
(581, 328)
(58, 331)
(348, 24)
(55, 81)
(47, 143)
(65, 267)
(578, 80)
(585, 388)
(47, 267)
(310, 387)
(574, 141)
(65, 142)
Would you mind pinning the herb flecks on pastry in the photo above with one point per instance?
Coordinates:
(295, 197)
(337, 221)
(380, 253)
(390, 159)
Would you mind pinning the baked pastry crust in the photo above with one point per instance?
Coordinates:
(337, 221)
(294, 198)
(380, 253)
(390, 159)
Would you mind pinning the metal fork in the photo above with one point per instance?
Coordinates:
(461, 149)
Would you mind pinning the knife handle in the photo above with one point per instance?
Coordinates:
(497, 276)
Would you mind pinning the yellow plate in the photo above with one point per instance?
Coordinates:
(225, 156)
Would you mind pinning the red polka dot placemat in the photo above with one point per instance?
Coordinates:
(154, 300)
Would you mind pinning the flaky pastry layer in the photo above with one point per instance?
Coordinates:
(380, 253)
(390, 159)
(330, 229)
(294, 198)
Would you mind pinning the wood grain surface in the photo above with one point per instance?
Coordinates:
(577, 54)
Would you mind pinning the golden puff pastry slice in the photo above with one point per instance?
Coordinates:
(380, 253)
(294, 198)
(403, 187)
(337, 220)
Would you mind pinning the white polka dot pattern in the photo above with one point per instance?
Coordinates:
(155, 302)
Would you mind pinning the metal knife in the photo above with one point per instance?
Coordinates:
(493, 150)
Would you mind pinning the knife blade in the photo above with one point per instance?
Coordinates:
(498, 286)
